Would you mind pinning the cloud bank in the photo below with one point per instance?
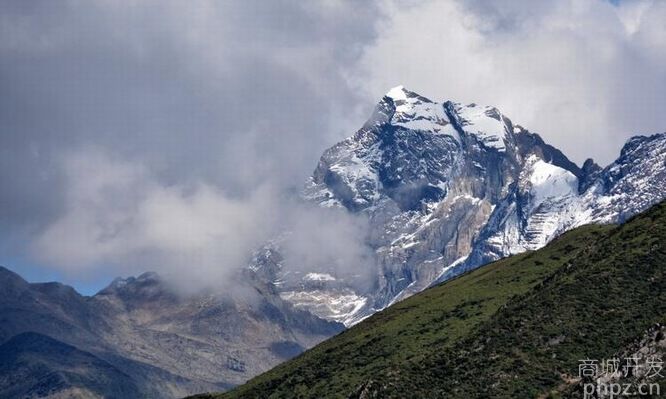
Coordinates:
(166, 135)
(174, 136)
(117, 216)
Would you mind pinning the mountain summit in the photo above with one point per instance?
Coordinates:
(448, 187)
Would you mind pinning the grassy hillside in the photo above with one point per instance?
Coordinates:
(514, 328)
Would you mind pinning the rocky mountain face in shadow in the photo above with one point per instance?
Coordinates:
(35, 365)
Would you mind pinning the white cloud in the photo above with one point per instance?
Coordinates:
(583, 73)
(119, 215)
(329, 240)
(203, 115)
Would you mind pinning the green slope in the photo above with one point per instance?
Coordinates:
(514, 328)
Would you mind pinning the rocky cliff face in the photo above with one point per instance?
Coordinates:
(546, 201)
(447, 187)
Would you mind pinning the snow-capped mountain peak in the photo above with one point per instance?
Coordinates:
(416, 112)
(397, 93)
(447, 187)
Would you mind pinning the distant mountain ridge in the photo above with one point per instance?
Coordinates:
(137, 338)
